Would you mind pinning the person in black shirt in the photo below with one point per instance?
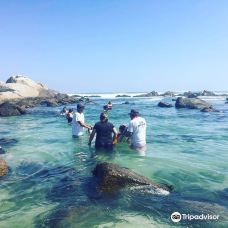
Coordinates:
(105, 132)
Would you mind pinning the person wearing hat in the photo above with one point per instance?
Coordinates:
(137, 131)
(105, 133)
(78, 122)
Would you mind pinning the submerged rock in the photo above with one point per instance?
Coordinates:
(2, 151)
(128, 103)
(11, 109)
(164, 105)
(112, 177)
(210, 109)
(7, 141)
(3, 168)
(193, 103)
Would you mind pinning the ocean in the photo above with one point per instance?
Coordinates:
(50, 182)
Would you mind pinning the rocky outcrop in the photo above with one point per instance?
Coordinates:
(190, 94)
(164, 105)
(112, 177)
(18, 87)
(226, 100)
(208, 93)
(151, 94)
(20, 93)
(193, 103)
(168, 94)
(122, 95)
(3, 168)
(11, 109)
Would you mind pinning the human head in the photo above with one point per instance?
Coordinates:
(105, 107)
(80, 107)
(70, 110)
(103, 117)
(109, 102)
(122, 128)
(134, 113)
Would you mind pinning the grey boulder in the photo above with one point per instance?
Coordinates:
(164, 105)
(11, 109)
(112, 177)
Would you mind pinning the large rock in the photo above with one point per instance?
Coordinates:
(193, 103)
(190, 94)
(151, 94)
(164, 105)
(112, 177)
(3, 168)
(10, 109)
(18, 87)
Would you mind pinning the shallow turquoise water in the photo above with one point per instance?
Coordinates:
(50, 182)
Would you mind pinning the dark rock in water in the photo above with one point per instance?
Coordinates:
(226, 100)
(3, 168)
(208, 93)
(112, 177)
(193, 103)
(49, 103)
(128, 103)
(164, 105)
(151, 94)
(7, 141)
(210, 109)
(123, 95)
(2, 151)
(10, 109)
(168, 94)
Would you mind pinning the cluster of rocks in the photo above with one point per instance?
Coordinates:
(151, 94)
(189, 103)
(122, 95)
(20, 93)
(190, 94)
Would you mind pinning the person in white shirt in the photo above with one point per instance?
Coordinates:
(78, 122)
(137, 131)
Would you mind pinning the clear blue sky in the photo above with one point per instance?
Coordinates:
(116, 45)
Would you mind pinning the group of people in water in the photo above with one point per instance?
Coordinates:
(106, 134)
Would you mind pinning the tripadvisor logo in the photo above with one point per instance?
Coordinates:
(176, 217)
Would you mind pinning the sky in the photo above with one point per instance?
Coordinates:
(116, 45)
